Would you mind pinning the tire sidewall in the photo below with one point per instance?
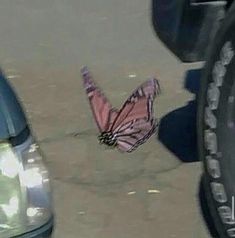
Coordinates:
(222, 38)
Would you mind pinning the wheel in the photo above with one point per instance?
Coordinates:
(205, 211)
(216, 127)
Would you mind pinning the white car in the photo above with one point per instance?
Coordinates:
(25, 195)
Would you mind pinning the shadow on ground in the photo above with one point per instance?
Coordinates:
(177, 130)
(178, 133)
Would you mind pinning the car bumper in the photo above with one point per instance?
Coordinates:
(44, 231)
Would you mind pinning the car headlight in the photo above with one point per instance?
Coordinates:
(25, 196)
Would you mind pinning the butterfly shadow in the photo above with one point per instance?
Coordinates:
(177, 129)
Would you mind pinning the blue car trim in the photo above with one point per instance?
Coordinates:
(44, 231)
(12, 117)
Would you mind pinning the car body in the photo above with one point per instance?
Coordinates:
(188, 27)
(25, 200)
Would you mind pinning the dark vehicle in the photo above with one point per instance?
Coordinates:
(25, 196)
(204, 30)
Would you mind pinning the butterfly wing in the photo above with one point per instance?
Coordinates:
(103, 112)
(139, 105)
(135, 134)
(135, 122)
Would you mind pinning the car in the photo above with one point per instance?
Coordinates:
(204, 30)
(25, 192)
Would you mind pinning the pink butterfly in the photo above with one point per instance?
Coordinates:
(130, 126)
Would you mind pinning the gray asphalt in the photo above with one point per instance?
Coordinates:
(98, 192)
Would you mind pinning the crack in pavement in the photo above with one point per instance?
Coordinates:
(76, 134)
(126, 178)
(64, 135)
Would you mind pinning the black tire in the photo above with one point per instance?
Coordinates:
(205, 211)
(216, 127)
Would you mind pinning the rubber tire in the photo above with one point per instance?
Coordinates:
(225, 34)
(205, 211)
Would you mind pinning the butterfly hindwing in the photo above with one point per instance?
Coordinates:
(135, 134)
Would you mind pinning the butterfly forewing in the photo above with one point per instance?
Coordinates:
(135, 122)
(139, 105)
(103, 111)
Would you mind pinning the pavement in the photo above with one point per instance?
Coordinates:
(98, 192)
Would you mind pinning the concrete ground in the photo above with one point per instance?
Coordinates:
(98, 192)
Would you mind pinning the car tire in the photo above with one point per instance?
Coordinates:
(216, 127)
(205, 211)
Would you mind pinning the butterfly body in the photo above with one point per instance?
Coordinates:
(130, 126)
(108, 138)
